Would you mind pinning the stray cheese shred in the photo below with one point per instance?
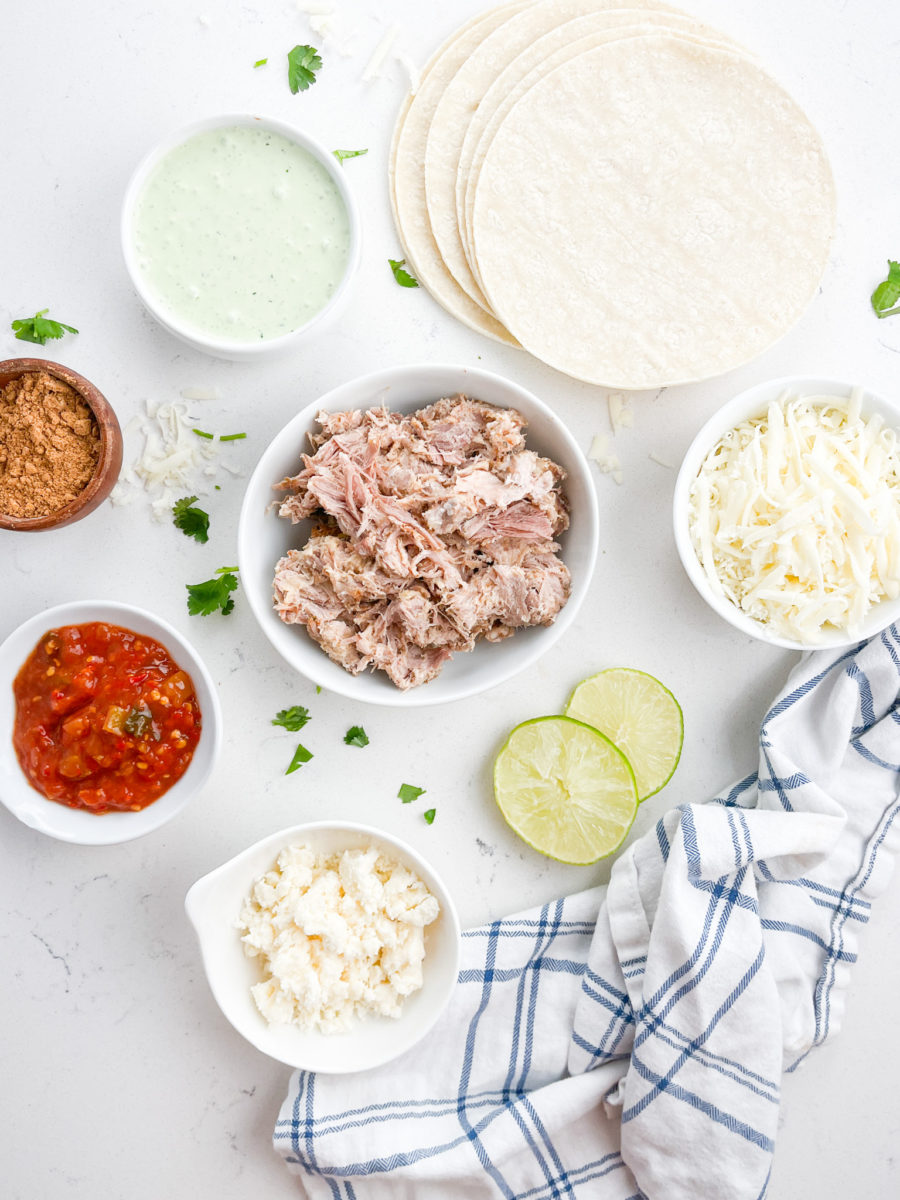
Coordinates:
(172, 461)
(795, 516)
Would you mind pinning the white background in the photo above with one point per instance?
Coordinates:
(120, 1076)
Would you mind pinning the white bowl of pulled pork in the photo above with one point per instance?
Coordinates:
(418, 535)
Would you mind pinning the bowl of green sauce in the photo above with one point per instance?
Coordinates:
(239, 234)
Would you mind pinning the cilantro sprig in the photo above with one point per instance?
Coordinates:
(213, 595)
(356, 736)
(409, 792)
(403, 277)
(292, 719)
(193, 522)
(340, 155)
(886, 295)
(303, 62)
(40, 328)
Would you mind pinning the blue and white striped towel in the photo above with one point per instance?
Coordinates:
(638, 1051)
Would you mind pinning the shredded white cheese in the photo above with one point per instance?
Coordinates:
(795, 516)
(620, 415)
(329, 27)
(172, 462)
(415, 75)
(200, 392)
(660, 462)
(321, 24)
(608, 463)
(382, 50)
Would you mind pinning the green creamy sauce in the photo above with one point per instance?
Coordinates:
(241, 233)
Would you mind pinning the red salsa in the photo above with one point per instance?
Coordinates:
(106, 720)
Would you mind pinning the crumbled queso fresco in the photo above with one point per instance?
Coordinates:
(339, 936)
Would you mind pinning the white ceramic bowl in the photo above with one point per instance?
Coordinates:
(264, 537)
(190, 333)
(213, 906)
(749, 404)
(77, 825)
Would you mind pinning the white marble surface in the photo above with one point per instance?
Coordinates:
(120, 1076)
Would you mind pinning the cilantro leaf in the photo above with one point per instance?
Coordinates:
(39, 328)
(193, 522)
(303, 62)
(888, 292)
(340, 155)
(429, 816)
(260, 62)
(292, 718)
(408, 792)
(356, 736)
(213, 594)
(301, 756)
(403, 277)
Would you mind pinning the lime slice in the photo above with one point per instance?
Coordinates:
(565, 789)
(640, 716)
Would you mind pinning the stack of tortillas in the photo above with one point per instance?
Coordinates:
(624, 192)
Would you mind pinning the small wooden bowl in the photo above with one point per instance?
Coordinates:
(109, 463)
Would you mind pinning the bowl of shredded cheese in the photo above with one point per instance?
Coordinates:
(787, 512)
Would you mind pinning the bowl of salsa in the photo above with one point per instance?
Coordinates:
(109, 722)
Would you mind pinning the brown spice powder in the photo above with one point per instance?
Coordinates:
(49, 445)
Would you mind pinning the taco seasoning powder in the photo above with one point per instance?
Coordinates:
(49, 445)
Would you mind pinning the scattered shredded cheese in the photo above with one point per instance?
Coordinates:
(200, 393)
(599, 447)
(608, 463)
(660, 462)
(795, 516)
(329, 27)
(411, 69)
(321, 24)
(173, 460)
(382, 50)
(620, 415)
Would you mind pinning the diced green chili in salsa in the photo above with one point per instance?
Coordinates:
(106, 720)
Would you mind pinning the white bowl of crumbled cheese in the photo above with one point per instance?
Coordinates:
(787, 512)
(329, 946)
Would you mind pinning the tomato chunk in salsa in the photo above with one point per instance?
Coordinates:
(106, 720)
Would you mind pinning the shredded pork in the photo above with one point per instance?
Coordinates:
(430, 530)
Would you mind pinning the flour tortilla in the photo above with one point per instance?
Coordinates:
(547, 53)
(653, 212)
(460, 103)
(407, 181)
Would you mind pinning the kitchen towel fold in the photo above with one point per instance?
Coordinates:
(629, 1041)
